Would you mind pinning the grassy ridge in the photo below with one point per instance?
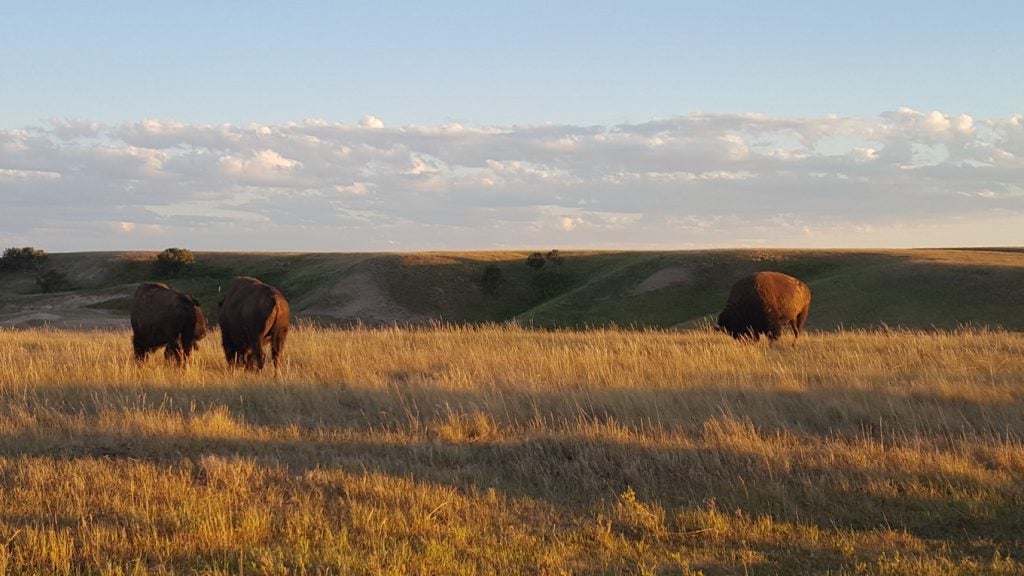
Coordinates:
(909, 288)
(503, 450)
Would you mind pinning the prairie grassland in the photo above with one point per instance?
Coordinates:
(507, 451)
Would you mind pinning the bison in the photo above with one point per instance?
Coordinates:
(251, 314)
(764, 304)
(165, 317)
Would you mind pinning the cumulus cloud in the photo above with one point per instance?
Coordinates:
(685, 181)
(568, 224)
(371, 122)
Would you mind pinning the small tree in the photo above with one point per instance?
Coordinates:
(492, 279)
(548, 282)
(53, 281)
(173, 262)
(27, 258)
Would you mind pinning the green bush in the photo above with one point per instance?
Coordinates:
(174, 262)
(53, 281)
(536, 260)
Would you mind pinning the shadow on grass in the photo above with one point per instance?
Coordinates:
(578, 473)
(586, 449)
(411, 404)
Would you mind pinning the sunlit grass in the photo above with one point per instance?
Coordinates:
(502, 450)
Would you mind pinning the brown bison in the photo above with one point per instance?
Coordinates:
(165, 317)
(764, 304)
(251, 314)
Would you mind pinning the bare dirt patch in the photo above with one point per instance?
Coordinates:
(663, 279)
(358, 299)
(68, 310)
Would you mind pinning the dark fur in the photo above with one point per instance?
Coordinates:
(764, 304)
(165, 317)
(251, 315)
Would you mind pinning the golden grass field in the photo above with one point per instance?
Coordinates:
(501, 450)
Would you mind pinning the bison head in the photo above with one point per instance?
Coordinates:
(729, 322)
(200, 325)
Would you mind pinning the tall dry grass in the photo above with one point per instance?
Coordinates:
(503, 450)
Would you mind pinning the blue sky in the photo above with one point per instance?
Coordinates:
(504, 62)
(930, 88)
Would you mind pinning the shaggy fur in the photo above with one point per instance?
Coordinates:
(165, 317)
(764, 304)
(251, 315)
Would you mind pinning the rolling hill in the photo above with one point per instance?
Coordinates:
(940, 288)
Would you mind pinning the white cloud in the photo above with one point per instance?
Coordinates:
(260, 161)
(421, 165)
(695, 180)
(371, 122)
(28, 174)
(864, 154)
(261, 167)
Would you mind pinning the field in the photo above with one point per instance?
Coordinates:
(917, 289)
(495, 449)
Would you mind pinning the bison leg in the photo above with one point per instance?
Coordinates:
(233, 356)
(139, 347)
(249, 360)
(256, 358)
(231, 352)
(188, 343)
(254, 352)
(277, 346)
(173, 351)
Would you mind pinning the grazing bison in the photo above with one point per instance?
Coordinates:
(165, 317)
(765, 303)
(251, 314)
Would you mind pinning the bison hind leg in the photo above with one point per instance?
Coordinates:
(252, 358)
(140, 353)
(139, 348)
(257, 358)
(277, 346)
(232, 355)
(173, 351)
(798, 323)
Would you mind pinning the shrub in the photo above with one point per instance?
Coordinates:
(536, 260)
(492, 279)
(174, 262)
(53, 281)
(555, 257)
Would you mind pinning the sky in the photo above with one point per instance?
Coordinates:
(368, 126)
